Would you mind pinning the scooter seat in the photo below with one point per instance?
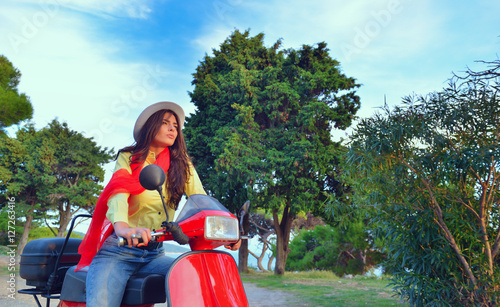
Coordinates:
(142, 289)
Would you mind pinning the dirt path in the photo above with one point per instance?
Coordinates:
(261, 297)
(257, 296)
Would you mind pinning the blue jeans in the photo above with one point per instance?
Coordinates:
(113, 265)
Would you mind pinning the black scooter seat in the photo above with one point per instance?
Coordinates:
(141, 289)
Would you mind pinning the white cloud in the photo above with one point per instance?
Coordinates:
(72, 73)
(117, 8)
(123, 8)
(211, 39)
(393, 47)
(398, 47)
(362, 35)
(70, 77)
(354, 30)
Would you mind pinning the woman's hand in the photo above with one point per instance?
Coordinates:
(131, 234)
(233, 246)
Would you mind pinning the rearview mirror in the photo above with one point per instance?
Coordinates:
(152, 177)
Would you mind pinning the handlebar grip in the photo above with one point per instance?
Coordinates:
(123, 242)
(178, 235)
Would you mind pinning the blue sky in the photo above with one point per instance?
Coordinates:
(96, 64)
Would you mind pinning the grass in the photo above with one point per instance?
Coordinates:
(4, 249)
(4, 268)
(321, 288)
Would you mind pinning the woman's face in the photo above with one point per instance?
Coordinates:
(167, 134)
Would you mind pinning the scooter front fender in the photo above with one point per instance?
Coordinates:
(205, 278)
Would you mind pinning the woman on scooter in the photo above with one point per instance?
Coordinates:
(125, 209)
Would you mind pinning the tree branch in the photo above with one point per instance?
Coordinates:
(496, 245)
(440, 222)
(257, 225)
(47, 223)
(251, 253)
(476, 215)
(482, 215)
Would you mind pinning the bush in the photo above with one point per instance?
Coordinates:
(45, 232)
(340, 250)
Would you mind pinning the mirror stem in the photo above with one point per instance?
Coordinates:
(163, 202)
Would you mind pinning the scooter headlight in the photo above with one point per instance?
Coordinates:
(221, 228)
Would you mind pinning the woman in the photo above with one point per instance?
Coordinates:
(125, 209)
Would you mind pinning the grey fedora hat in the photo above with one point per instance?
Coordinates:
(162, 105)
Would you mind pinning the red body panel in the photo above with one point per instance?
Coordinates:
(70, 304)
(75, 304)
(207, 279)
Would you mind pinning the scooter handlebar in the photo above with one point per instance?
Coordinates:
(174, 228)
(179, 236)
(123, 242)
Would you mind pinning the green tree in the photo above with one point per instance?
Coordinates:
(312, 249)
(25, 177)
(262, 129)
(430, 167)
(9, 233)
(54, 168)
(14, 106)
(77, 169)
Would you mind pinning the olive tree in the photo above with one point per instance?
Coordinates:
(429, 169)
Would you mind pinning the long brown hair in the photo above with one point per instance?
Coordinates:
(179, 172)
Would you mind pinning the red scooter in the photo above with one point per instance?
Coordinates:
(201, 277)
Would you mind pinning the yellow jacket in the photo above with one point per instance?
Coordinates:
(145, 209)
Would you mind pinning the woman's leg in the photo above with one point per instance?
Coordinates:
(109, 273)
(159, 265)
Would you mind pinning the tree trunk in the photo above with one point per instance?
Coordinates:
(265, 246)
(48, 225)
(270, 263)
(64, 219)
(243, 251)
(363, 259)
(282, 239)
(259, 260)
(24, 237)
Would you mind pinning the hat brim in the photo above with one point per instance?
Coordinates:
(162, 105)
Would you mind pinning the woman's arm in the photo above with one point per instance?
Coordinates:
(123, 230)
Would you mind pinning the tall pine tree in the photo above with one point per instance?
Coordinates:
(262, 129)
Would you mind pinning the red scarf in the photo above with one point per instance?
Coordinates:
(101, 228)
